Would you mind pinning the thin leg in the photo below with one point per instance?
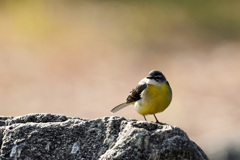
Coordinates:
(144, 117)
(157, 120)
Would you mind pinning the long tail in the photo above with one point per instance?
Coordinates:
(120, 106)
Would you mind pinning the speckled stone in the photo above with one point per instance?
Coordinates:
(47, 136)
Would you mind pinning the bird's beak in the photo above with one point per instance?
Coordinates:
(149, 77)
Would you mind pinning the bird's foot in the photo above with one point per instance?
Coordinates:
(160, 123)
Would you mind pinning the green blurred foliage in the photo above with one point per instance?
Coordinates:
(220, 19)
(148, 21)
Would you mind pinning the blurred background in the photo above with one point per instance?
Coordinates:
(82, 58)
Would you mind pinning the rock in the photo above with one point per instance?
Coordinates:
(47, 136)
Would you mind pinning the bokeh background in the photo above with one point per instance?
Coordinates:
(81, 58)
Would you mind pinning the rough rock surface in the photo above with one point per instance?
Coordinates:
(47, 136)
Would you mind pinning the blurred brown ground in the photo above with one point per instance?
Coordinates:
(82, 59)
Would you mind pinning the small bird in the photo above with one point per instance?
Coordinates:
(152, 95)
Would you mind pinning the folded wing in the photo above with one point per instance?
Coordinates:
(134, 96)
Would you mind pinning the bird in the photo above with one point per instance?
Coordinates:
(151, 95)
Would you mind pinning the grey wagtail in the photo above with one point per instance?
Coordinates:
(152, 95)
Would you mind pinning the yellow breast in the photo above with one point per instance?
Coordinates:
(154, 99)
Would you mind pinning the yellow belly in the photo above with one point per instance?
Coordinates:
(156, 99)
